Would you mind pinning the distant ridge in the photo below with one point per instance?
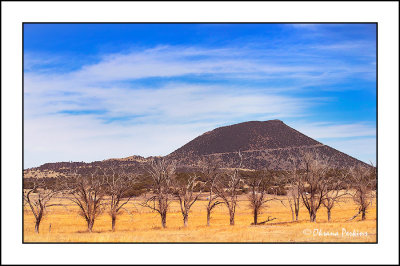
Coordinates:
(263, 144)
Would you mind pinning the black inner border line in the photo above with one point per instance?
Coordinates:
(376, 81)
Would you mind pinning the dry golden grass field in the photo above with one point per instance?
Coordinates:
(142, 225)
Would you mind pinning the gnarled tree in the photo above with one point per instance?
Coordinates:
(336, 189)
(260, 183)
(292, 179)
(227, 189)
(209, 169)
(162, 172)
(87, 190)
(118, 182)
(363, 182)
(184, 190)
(313, 186)
(293, 193)
(38, 196)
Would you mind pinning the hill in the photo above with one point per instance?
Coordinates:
(263, 144)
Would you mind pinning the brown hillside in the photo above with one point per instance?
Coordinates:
(263, 144)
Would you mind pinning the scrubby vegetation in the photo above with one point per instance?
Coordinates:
(91, 192)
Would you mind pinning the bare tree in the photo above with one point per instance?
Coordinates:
(363, 182)
(209, 169)
(260, 184)
(292, 179)
(184, 190)
(118, 182)
(314, 184)
(38, 197)
(87, 191)
(227, 189)
(335, 190)
(162, 172)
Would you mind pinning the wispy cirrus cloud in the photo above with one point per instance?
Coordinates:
(112, 107)
(327, 130)
(309, 26)
(363, 149)
(174, 103)
(356, 139)
(167, 61)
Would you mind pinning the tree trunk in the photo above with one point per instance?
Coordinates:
(255, 211)
(164, 220)
(37, 223)
(329, 215)
(313, 216)
(113, 219)
(231, 218)
(296, 211)
(185, 220)
(208, 217)
(363, 216)
(90, 225)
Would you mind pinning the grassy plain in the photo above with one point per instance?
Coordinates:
(139, 224)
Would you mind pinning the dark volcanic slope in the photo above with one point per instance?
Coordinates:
(262, 144)
(253, 135)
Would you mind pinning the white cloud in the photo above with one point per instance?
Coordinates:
(363, 149)
(168, 61)
(324, 130)
(164, 119)
(124, 119)
(356, 139)
(81, 138)
(308, 26)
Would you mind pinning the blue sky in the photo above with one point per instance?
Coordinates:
(98, 91)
